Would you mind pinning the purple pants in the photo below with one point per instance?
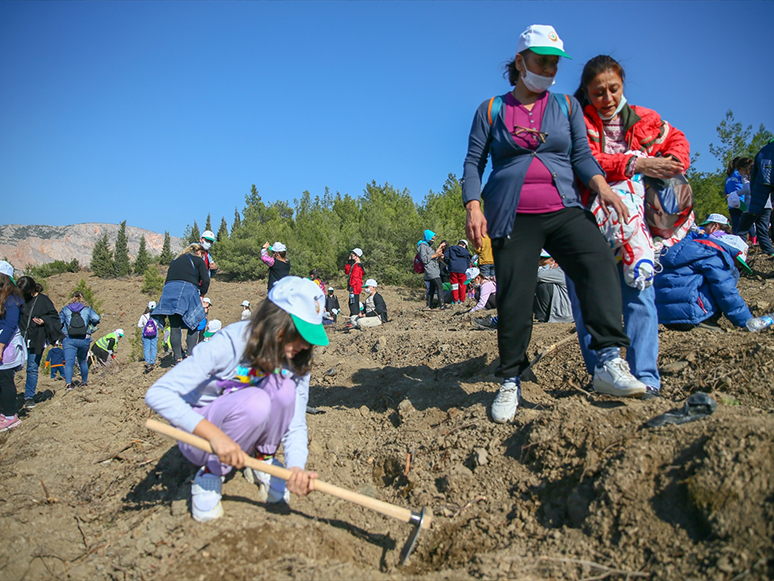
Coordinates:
(255, 418)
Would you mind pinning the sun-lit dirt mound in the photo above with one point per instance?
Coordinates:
(575, 488)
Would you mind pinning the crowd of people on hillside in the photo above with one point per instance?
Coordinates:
(566, 234)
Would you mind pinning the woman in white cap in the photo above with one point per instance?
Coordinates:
(150, 334)
(13, 352)
(537, 141)
(246, 312)
(278, 263)
(245, 391)
(374, 312)
(627, 140)
(354, 269)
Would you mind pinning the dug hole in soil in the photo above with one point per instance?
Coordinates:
(575, 488)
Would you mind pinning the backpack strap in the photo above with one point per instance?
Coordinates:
(564, 104)
(495, 104)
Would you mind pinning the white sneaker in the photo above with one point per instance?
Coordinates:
(614, 378)
(507, 401)
(269, 489)
(205, 496)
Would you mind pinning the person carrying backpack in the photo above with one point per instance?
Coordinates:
(150, 336)
(79, 321)
(432, 269)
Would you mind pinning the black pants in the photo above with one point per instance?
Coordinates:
(761, 222)
(434, 287)
(176, 326)
(354, 304)
(100, 353)
(8, 392)
(573, 239)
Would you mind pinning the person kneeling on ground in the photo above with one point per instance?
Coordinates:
(698, 284)
(245, 391)
(332, 308)
(375, 311)
(552, 302)
(104, 349)
(486, 290)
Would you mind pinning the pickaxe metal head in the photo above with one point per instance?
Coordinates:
(420, 520)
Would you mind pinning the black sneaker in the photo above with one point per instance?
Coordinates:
(651, 392)
(486, 323)
(29, 404)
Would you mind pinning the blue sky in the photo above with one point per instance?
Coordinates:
(160, 112)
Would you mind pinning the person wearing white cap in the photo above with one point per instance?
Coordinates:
(628, 140)
(278, 262)
(13, 351)
(552, 301)
(104, 348)
(245, 391)
(246, 312)
(537, 141)
(212, 327)
(485, 287)
(374, 312)
(458, 258)
(150, 334)
(207, 240)
(332, 308)
(354, 269)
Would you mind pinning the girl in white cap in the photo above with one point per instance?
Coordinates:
(13, 352)
(278, 263)
(246, 312)
(537, 141)
(150, 336)
(245, 391)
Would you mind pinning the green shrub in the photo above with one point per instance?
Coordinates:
(154, 281)
(43, 271)
(89, 296)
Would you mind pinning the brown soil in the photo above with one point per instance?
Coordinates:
(575, 488)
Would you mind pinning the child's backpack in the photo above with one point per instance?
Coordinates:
(77, 329)
(151, 329)
(419, 267)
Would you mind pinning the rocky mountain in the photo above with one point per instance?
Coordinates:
(32, 245)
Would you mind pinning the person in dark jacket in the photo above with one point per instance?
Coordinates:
(79, 321)
(332, 308)
(375, 311)
(55, 361)
(187, 281)
(458, 258)
(38, 326)
(761, 188)
(539, 149)
(430, 260)
(278, 263)
(698, 283)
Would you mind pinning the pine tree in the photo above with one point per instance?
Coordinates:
(102, 258)
(222, 231)
(208, 225)
(166, 255)
(121, 253)
(194, 235)
(237, 221)
(143, 258)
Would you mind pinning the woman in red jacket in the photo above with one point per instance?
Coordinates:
(616, 130)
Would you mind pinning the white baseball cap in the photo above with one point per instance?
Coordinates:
(120, 332)
(304, 301)
(213, 327)
(542, 39)
(358, 252)
(371, 282)
(544, 254)
(245, 303)
(206, 300)
(6, 268)
(278, 247)
(152, 305)
(330, 288)
(208, 235)
(471, 273)
(719, 218)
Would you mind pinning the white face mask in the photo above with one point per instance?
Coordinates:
(617, 110)
(536, 83)
(206, 244)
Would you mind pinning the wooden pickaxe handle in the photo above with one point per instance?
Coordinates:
(387, 509)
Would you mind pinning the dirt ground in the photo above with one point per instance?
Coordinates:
(575, 488)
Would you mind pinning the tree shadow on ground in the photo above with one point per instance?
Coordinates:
(385, 387)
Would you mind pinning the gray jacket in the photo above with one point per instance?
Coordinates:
(432, 268)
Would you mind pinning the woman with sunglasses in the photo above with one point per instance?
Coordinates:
(538, 145)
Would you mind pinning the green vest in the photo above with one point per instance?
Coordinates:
(103, 343)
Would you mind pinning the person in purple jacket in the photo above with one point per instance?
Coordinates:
(537, 141)
(245, 391)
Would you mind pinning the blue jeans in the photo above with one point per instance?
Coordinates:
(76, 348)
(149, 348)
(33, 366)
(641, 326)
(486, 269)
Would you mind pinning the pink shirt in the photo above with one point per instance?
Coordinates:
(538, 193)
